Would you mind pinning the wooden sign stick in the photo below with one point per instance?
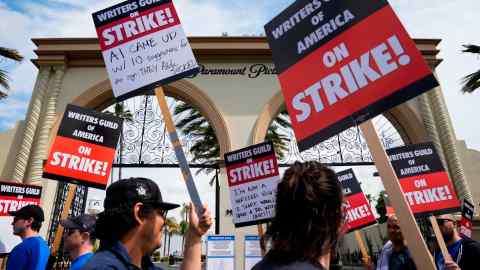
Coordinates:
(363, 249)
(261, 236)
(418, 249)
(182, 160)
(66, 208)
(440, 240)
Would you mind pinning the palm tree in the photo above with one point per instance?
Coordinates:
(471, 81)
(172, 228)
(11, 54)
(119, 111)
(206, 149)
(183, 226)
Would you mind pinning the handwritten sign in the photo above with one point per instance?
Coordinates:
(84, 147)
(253, 178)
(357, 209)
(143, 45)
(424, 181)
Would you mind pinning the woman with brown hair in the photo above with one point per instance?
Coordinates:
(308, 219)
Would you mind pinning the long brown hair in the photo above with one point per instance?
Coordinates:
(308, 214)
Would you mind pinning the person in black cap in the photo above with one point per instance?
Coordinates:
(33, 252)
(78, 240)
(130, 228)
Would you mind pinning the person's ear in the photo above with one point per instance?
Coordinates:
(137, 209)
(85, 236)
(28, 221)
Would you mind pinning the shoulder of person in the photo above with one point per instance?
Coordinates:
(470, 245)
(103, 260)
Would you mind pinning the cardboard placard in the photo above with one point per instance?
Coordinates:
(424, 181)
(14, 196)
(466, 226)
(253, 177)
(341, 63)
(143, 45)
(357, 209)
(220, 252)
(253, 251)
(84, 147)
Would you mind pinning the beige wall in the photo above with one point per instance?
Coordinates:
(9, 143)
(471, 164)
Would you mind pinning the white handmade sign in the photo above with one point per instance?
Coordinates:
(143, 45)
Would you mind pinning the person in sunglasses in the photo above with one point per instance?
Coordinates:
(464, 251)
(78, 240)
(130, 228)
(33, 252)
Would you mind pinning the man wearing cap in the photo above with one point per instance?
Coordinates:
(33, 252)
(78, 240)
(130, 228)
(464, 252)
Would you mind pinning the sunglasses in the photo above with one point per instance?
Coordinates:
(442, 221)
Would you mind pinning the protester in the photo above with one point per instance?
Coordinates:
(130, 228)
(33, 252)
(78, 240)
(307, 221)
(465, 252)
(395, 254)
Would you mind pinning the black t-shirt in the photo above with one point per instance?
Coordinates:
(401, 260)
(470, 254)
(266, 264)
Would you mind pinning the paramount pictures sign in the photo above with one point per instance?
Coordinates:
(251, 71)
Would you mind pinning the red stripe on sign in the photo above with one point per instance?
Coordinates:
(86, 162)
(10, 203)
(358, 212)
(256, 169)
(429, 192)
(147, 22)
(319, 90)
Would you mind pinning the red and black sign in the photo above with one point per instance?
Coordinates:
(341, 63)
(357, 209)
(424, 182)
(466, 226)
(14, 196)
(84, 147)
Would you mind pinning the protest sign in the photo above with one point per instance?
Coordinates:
(143, 45)
(424, 181)
(220, 252)
(253, 251)
(14, 196)
(341, 63)
(357, 209)
(467, 217)
(253, 177)
(84, 148)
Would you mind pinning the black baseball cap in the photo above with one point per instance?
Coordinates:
(29, 211)
(83, 223)
(133, 190)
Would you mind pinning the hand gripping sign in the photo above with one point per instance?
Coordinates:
(423, 179)
(143, 45)
(341, 63)
(357, 209)
(253, 178)
(84, 147)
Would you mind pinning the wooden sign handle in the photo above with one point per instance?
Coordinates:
(420, 253)
(363, 249)
(261, 236)
(182, 160)
(66, 208)
(439, 237)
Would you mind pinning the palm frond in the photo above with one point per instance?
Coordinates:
(4, 79)
(471, 82)
(11, 54)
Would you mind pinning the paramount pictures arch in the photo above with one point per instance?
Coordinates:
(237, 91)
